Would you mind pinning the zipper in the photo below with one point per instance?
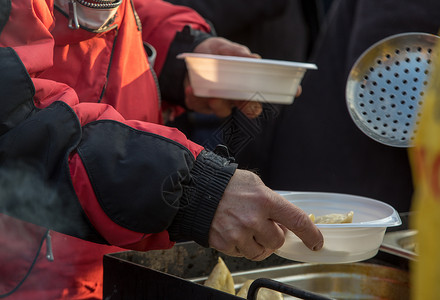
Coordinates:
(156, 81)
(109, 67)
(73, 15)
(103, 4)
(49, 252)
(98, 4)
(136, 16)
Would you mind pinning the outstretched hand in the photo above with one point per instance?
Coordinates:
(251, 219)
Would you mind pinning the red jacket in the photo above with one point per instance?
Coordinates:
(119, 178)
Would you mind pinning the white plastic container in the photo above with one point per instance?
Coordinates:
(243, 78)
(343, 243)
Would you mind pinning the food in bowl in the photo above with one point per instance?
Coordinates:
(333, 218)
(343, 242)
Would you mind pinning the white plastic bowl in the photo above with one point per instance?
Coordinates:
(343, 243)
(243, 78)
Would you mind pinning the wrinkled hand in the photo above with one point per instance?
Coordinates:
(251, 219)
(221, 107)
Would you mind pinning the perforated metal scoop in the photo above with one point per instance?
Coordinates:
(386, 85)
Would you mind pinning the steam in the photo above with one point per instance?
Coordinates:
(21, 191)
(24, 194)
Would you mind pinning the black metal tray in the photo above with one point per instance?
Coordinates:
(179, 273)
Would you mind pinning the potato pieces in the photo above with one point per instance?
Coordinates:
(221, 278)
(333, 218)
(263, 293)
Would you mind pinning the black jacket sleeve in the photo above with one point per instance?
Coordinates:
(143, 181)
(174, 69)
(34, 147)
(147, 183)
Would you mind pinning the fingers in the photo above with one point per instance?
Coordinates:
(234, 49)
(269, 234)
(298, 91)
(195, 103)
(251, 249)
(250, 109)
(220, 107)
(261, 241)
(222, 46)
(247, 246)
(251, 220)
(296, 221)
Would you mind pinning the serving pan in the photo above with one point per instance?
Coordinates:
(150, 275)
(337, 281)
(401, 243)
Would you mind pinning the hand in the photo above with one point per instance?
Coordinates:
(220, 107)
(251, 219)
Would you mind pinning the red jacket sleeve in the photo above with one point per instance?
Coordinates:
(128, 183)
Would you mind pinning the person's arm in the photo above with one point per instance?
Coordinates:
(186, 31)
(128, 183)
(119, 181)
(132, 184)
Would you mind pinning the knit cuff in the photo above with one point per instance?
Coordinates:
(210, 176)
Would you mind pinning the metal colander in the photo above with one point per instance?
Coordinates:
(386, 85)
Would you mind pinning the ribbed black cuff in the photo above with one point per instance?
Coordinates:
(174, 70)
(210, 176)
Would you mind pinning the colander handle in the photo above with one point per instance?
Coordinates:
(283, 288)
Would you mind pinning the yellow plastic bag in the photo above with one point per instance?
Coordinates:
(425, 162)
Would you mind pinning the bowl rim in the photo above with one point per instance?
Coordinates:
(261, 61)
(391, 220)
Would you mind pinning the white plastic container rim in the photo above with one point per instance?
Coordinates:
(304, 200)
(343, 243)
(250, 60)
